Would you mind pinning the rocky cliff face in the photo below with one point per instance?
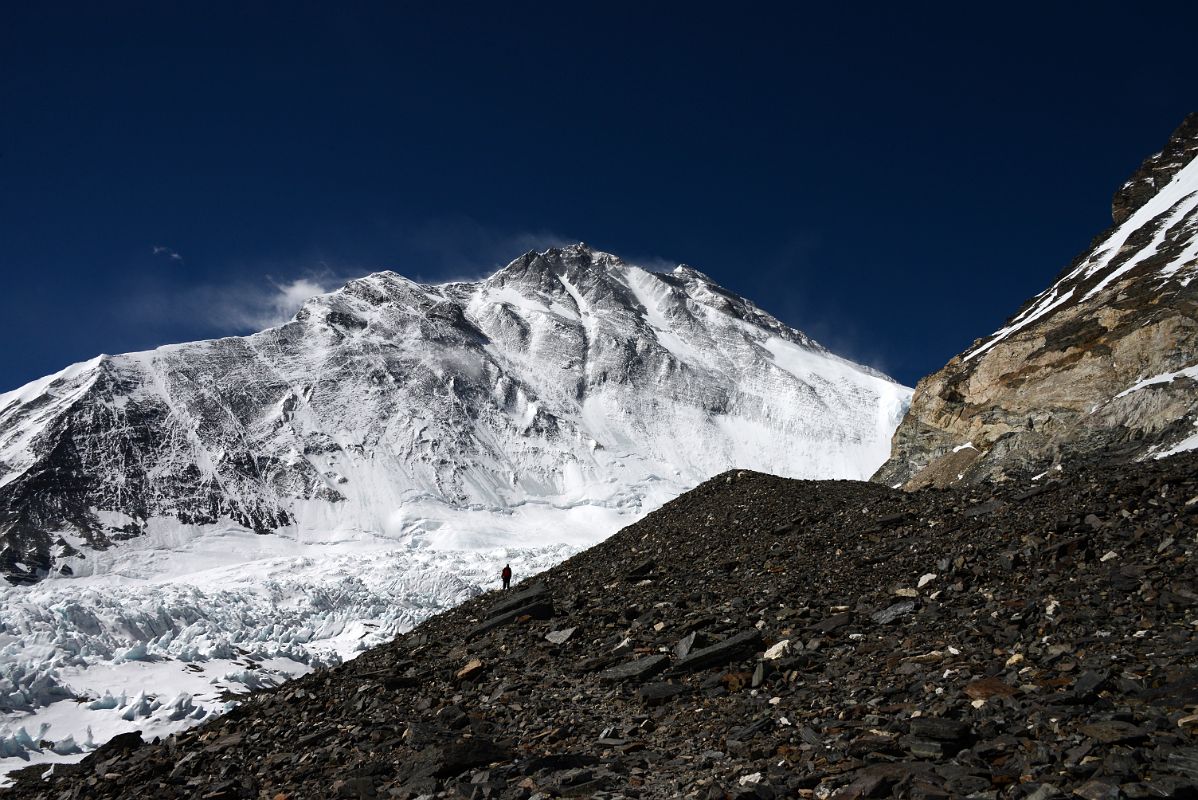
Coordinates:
(568, 378)
(1157, 170)
(1103, 363)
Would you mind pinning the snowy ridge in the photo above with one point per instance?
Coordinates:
(565, 378)
(1069, 377)
(1172, 213)
(206, 514)
(62, 389)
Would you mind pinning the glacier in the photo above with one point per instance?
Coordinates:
(186, 524)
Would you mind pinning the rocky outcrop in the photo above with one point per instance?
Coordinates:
(830, 639)
(1103, 363)
(1157, 170)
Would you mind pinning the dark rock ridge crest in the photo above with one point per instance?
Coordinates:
(1103, 363)
(1157, 170)
(763, 638)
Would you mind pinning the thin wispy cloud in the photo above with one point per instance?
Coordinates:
(652, 263)
(238, 307)
(160, 250)
(254, 307)
(460, 248)
(437, 251)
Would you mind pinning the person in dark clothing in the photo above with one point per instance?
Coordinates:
(507, 577)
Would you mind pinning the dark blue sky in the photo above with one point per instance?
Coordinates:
(895, 180)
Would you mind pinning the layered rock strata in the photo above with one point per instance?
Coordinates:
(1103, 363)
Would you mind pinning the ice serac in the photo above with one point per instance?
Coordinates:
(1102, 364)
(566, 379)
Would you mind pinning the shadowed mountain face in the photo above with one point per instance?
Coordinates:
(566, 379)
(1102, 363)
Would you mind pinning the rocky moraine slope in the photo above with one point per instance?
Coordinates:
(758, 638)
(1102, 363)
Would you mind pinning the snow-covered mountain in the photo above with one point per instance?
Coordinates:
(1103, 363)
(566, 378)
(206, 517)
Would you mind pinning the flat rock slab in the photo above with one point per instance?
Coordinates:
(635, 670)
(560, 761)
(1098, 790)
(1087, 685)
(733, 648)
(473, 668)
(747, 732)
(540, 609)
(526, 597)
(891, 613)
(1176, 694)
(869, 782)
(683, 648)
(982, 509)
(455, 757)
(560, 637)
(864, 786)
(652, 694)
(942, 730)
(829, 624)
(925, 748)
(987, 688)
(1113, 731)
(1184, 760)
(1067, 549)
(121, 742)
(641, 571)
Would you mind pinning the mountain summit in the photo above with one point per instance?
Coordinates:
(1103, 363)
(566, 380)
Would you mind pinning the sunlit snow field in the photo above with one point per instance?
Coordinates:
(172, 627)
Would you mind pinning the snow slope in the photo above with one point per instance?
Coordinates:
(1167, 217)
(202, 518)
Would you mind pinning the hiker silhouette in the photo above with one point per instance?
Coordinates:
(507, 577)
